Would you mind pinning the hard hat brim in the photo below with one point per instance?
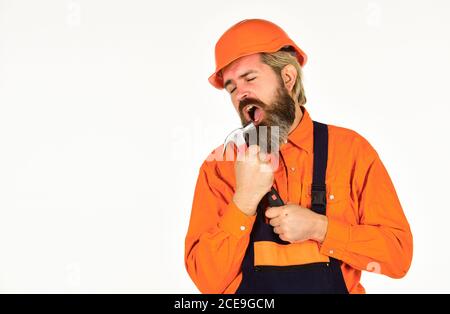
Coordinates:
(216, 79)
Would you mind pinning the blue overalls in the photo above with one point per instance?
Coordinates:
(309, 278)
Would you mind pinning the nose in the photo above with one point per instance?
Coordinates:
(242, 95)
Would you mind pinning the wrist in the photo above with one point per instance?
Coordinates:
(321, 229)
(245, 204)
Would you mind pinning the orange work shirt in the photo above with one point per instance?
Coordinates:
(367, 229)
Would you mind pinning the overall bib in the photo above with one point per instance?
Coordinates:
(309, 278)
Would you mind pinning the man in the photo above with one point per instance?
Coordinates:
(341, 214)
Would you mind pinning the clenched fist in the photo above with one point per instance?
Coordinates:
(297, 224)
(254, 178)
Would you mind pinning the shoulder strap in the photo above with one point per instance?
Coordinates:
(318, 188)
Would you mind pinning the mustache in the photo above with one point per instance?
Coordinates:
(253, 101)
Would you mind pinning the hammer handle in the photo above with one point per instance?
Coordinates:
(274, 198)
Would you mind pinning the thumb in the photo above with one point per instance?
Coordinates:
(273, 212)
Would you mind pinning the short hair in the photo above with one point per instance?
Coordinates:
(278, 60)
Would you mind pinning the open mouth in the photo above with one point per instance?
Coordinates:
(253, 113)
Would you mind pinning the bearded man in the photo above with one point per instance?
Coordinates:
(341, 214)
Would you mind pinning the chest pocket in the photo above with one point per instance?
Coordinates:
(340, 204)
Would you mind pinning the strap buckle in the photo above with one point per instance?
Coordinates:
(318, 196)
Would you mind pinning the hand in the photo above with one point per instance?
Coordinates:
(297, 224)
(254, 178)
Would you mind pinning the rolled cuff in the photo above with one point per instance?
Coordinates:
(235, 222)
(336, 239)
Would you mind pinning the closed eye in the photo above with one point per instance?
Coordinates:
(248, 80)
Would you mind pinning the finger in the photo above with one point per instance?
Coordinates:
(253, 150)
(274, 161)
(275, 222)
(277, 230)
(284, 238)
(273, 212)
(264, 157)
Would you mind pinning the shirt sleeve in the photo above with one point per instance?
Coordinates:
(218, 234)
(382, 241)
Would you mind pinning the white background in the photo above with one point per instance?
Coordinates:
(106, 115)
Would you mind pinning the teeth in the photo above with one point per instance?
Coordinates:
(250, 112)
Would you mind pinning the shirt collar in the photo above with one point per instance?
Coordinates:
(302, 135)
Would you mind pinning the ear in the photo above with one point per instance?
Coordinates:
(289, 76)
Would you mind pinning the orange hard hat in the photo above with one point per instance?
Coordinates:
(248, 37)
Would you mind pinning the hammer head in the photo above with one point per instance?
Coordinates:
(238, 136)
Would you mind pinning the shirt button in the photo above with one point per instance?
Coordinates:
(292, 168)
(331, 197)
(242, 228)
(331, 252)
